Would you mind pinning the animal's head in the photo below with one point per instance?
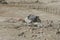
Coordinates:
(34, 18)
(38, 19)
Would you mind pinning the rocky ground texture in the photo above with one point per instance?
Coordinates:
(12, 27)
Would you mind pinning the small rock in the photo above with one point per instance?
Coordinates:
(17, 27)
(49, 23)
(34, 35)
(34, 29)
(40, 32)
(45, 39)
(21, 34)
(58, 32)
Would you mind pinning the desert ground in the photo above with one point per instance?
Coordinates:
(13, 29)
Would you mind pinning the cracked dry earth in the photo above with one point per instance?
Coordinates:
(17, 31)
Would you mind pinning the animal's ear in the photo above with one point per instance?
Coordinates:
(37, 16)
(29, 16)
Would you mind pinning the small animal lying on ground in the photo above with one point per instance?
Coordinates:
(30, 20)
(33, 20)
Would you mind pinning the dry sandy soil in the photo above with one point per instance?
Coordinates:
(18, 31)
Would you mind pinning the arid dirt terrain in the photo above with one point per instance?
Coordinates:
(13, 29)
